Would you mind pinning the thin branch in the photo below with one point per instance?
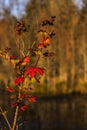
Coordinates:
(37, 60)
(22, 50)
(15, 118)
(19, 49)
(28, 53)
(16, 113)
(5, 117)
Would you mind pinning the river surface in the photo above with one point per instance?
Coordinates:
(59, 113)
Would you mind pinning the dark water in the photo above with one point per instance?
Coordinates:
(50, 114)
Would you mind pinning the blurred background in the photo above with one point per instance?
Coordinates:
(66, 72)
(61, 105)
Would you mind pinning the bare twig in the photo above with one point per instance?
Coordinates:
(22, 50)
(5, 117)
(16, 113)
(15, 118)
(37, 60)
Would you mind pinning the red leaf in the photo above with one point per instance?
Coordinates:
(23, 108)
(15, 104)
(23, 95)
(10, 89)
(32, 71)
(32, 99)
(39, 70)
(19, 80)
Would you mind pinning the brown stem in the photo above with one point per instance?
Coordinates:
(37, 60)
(19, 49)
(16, 113)
(23, 50)
(5, 117)
(18, 46)
(15, 118)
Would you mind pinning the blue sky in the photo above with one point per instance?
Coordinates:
(19, 10)
(17, 6)
(78, 2)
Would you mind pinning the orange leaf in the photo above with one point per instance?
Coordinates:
(26, 59)
(47, 41)
(41, 45)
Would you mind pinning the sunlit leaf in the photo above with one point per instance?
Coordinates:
(19, 80)
(25, 60)
(32, 71)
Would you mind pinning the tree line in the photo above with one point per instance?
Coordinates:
(67, 69)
